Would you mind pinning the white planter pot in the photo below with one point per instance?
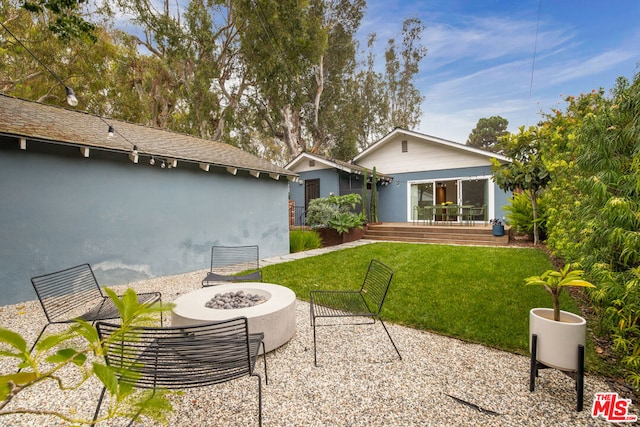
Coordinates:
(557, 345)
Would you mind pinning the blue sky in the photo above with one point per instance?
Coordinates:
(480, 55)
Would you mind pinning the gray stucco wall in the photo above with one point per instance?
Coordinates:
(393, 197)
(129, 221)
(329, 183)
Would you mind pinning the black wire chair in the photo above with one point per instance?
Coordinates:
(74, 293)
(367, 302)
(182, 357)
(228, 261)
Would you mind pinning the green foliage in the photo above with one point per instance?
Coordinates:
(520, 214)
(563, 198)
(345, 221)
(487, 133)
(609, 168)
(526, 171)
(79, 348)
(303, 240)
(335, 212)
(67, 22)
(554, 281)
(401, 69)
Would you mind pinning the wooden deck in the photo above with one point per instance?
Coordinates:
(453, 234)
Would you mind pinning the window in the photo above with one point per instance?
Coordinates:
(312, 163)
(405, 146)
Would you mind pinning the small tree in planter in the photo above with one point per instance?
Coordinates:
(557, 338)
(555, 281)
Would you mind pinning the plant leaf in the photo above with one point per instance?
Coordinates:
(14, 339)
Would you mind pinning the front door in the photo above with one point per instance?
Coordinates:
(311, 191)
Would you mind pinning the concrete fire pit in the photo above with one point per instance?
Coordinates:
(275, 317)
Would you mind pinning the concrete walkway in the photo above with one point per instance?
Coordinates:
(313, 252)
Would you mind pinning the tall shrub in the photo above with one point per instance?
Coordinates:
(609, 159)
(520, 215)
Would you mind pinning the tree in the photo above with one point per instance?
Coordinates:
(401, 70)
(371, 99)
(81, 65)
(526, 172)
(64, 18)
(487, 133)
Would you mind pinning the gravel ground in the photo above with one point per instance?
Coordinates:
(361, 381)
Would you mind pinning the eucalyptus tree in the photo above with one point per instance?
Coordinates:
(300, 56)
(187, 75)
(37, 64)
(402, 68)
(372, 99)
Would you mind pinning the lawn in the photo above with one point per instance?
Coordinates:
(473, 293)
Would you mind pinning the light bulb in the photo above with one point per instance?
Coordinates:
(71, 97)
(152, 161)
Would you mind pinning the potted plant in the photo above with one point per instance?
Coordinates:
(335, 219)
(559, 333)
(498, 227)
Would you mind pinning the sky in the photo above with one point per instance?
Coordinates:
(480, 59)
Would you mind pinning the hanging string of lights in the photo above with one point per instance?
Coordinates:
(72, 100)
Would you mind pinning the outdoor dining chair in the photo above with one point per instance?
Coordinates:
(182, 357)
(234, 264)
(74, 293)
(366, 302)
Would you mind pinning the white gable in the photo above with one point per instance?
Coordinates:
(306, 162)
(404, 151)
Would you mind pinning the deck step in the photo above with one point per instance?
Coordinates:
(449, 234)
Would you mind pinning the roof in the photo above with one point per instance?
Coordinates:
(56, 125)
(433, 139)
(333, 163)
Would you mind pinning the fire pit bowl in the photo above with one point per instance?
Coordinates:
(275, 317)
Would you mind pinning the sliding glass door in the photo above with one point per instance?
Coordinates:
(467, 192)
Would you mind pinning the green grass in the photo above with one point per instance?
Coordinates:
(473, 293)
(303, 240)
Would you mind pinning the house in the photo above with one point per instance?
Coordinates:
(133, 201)
(414, 169)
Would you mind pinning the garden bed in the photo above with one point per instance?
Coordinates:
(330, 237)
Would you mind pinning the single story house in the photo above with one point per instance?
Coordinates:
(133, 201)
(414, 169)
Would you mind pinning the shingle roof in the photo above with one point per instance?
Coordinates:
(48, 123)
(338, 164)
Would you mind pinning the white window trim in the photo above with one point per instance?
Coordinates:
(491, 191)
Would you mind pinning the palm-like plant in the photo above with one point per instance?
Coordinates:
(554, 281)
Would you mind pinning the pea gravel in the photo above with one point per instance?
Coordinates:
(440, 381)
